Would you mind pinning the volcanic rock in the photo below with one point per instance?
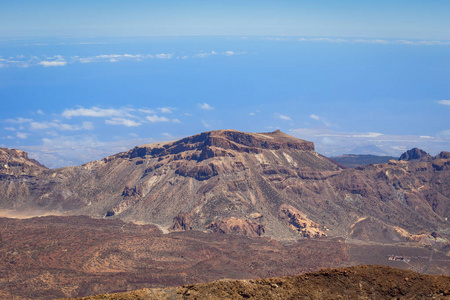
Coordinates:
(183, 221)
(237, 226)
(300, 222)
(17, 163)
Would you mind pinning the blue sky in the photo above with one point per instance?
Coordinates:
(80, 80)
(383, 18)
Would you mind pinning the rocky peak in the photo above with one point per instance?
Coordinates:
(443, 155)
(415, 154)
(16, 162)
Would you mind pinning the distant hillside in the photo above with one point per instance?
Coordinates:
(358, 160)
(361, 282)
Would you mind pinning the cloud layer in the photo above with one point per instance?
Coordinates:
(22, 61)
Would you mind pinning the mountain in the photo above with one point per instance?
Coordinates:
(415, 154)
(359, 160)
(360, 282)
(255, 184)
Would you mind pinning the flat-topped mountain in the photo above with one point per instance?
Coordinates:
(256, 184)
(226, 140)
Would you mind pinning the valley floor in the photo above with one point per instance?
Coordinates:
(53, 257)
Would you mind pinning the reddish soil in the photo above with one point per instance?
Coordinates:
(55, 257)
(361, 282)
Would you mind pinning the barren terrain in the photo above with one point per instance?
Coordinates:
(361, 282)
(56, 257)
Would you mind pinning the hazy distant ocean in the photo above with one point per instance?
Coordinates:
(356, 83)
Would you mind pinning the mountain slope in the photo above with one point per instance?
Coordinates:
(254, 184)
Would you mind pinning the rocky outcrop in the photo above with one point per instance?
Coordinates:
(373, 230)
(17, 163)
(443, 155)
(299, 222)
(237, 226)
(415, 154)
(183, 221)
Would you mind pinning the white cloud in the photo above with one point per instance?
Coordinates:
(283, 117)
(19, 120)
(368, 135)
(444, 102)
(40, 112)
(39, 125)
(87, 126)
(68, 127)
(10, 128)
(95, 112)
(23, 61)
(206, 124)
(60, 126)
(164, 56)
(205, 106)
(176, 121)
(22, 135)
(371, 41)
(55, 63)
(155, 118)
(122, 121)
(205, 54)
(314, 117)
(165, 110)
(146, 111)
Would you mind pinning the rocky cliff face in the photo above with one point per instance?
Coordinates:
(17, 163)
(269, 184)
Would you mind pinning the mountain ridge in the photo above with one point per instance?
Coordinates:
(255, 184)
